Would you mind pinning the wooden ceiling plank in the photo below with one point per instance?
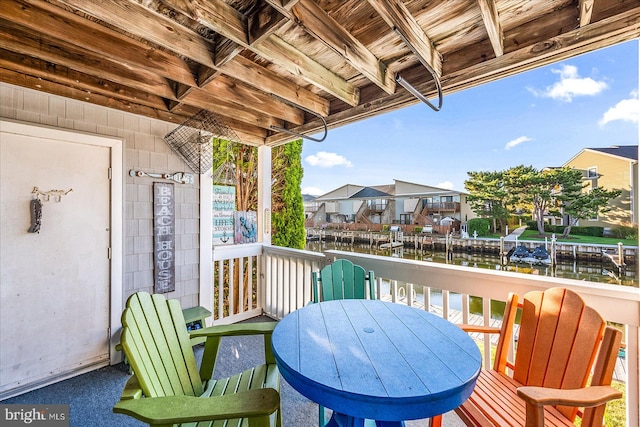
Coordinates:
(291, 114)
(491, 20)
(12, 77)
(265, 21)
(223, 19)
(586, 10)
(69, 56)
(251, 73)
(225, 51)
(276, 50)
(225, 87)
(226, 108)
(329, 31)
(607, 32)
(44, 17)
(65, 76)
(148, 25)
(397, 16)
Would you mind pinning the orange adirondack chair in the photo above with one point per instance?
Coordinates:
(561, 344)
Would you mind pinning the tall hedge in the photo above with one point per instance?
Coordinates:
(481, 225)
(287, 219)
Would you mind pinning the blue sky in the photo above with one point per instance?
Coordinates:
(540, 118)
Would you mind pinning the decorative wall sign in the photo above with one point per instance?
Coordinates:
(164, 237)
(246, 227)
(179, 177)
(223, 206)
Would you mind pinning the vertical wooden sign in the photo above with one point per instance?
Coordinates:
(164, 237)
(224, 204)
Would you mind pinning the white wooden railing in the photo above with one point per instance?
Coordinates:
(278, 282)
(283, 284)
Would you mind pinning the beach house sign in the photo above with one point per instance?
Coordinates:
(164, 237)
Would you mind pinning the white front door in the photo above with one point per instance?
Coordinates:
(55, 284)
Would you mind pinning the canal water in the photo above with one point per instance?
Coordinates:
(600, 272)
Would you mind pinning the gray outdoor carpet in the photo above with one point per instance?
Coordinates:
(91, 396)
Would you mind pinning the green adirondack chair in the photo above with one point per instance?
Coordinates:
(167, 389)
(341, 280)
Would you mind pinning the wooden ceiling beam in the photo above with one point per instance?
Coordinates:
(397, 16)
(167, 33)
(491, 20)
(606, 32)
(61, 24)
(202, 53)
(281, 53)
(329, 31)
(31, 82)
(274, 50)
(251, 73)
(62, 75)
(264, 22)
(586, 10)
(461, 76)
(222, 106)
(226, 88)
(148, 25)
(61, 53)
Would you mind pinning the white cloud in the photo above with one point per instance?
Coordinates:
(517, 141)
(571, 85)
(626, 110)
(446, 184)
(314, 191)
(327, 160)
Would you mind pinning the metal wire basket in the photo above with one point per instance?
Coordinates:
(192, 139)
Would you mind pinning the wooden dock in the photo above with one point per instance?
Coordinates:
(429, 242)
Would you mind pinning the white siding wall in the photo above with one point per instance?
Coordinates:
(144, 149)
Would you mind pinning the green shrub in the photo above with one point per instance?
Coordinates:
(532, 225)
(480, 225)
(622, 232)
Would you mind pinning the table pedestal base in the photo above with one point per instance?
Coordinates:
(342, 420)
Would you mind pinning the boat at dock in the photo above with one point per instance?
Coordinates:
(521, 254)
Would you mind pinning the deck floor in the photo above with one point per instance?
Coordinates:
(91, 396)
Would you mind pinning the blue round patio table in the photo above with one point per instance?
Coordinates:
(369, 359)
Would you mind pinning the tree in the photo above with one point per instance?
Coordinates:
(542, 191)
(488, 196)
(287, 204)
(238, 163)
(588, 205)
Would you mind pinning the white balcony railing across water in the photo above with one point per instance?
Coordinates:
(283, 284)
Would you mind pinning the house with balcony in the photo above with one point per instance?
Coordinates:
(402, 202)
(91, 188)
(611, 168)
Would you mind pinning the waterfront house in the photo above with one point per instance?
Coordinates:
(89, 92)
(400, 203)
(612, 168)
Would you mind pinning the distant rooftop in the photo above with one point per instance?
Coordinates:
(367, 192)
(626, 151)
